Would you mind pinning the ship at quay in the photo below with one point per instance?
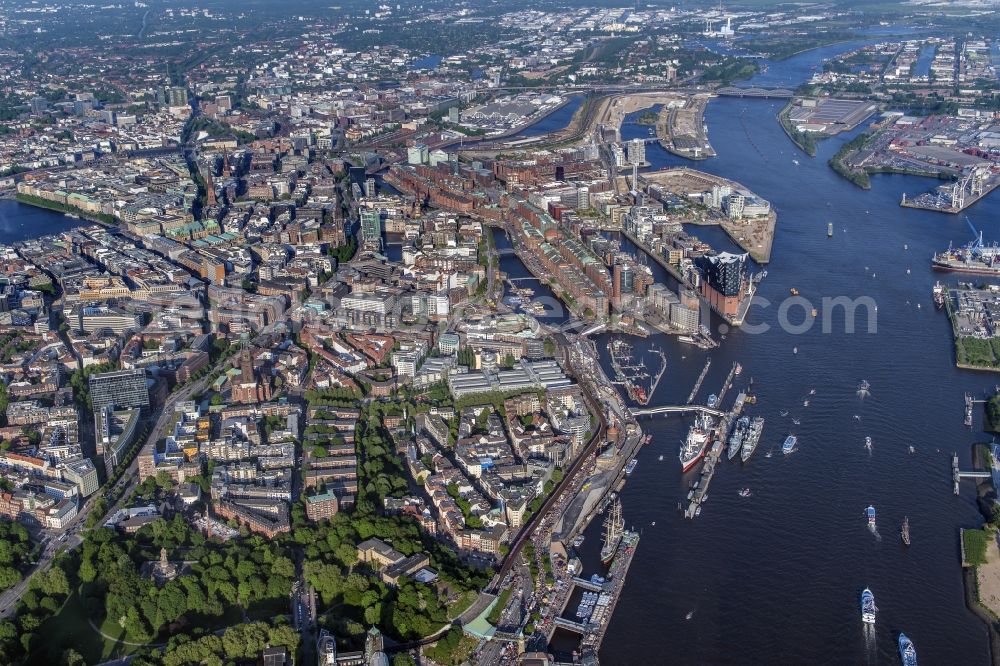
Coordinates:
(976, 257)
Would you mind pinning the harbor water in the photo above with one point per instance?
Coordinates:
(776, 577)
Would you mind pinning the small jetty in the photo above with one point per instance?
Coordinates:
(701, 378)
(957, 474)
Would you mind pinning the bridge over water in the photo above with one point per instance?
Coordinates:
(765, 93)
(676, 409)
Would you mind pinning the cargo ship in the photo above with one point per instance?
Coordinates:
(939, 295)
(975, 257)
(693, 448)
(614, 529)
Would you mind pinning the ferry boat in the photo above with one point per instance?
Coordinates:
(870, 511)
(752, 438)
(739, 433)
(694, 446)
(907, 652)
(789, 444)
(868, 607)
(614, 529)
(904, 531)
(631, 466)
(713, 400)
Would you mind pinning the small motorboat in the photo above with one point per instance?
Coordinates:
(745, 492)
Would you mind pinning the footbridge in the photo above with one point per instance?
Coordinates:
(676, 409)
(571, 625)
(587, 585)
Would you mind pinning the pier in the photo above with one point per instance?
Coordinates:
(957, 475)
(601, 617)
(701, 378)
(699, 492)
(969, 402)
(729, 382)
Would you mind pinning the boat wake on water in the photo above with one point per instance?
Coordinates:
(871, 647)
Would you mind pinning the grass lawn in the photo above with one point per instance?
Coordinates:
(70, 628)
(975, 542)
(462, 604)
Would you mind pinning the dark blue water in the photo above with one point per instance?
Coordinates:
(776, 578)
(427, 62)
(20, 221)
(923, 65)
(556, 120)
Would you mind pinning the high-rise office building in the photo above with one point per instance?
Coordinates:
(39, 105)
(371, 229)
(177, 96)
(637, 152)
(122, 388)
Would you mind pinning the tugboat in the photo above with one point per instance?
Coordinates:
(904, 531)
(868, 607)
(907, 652)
